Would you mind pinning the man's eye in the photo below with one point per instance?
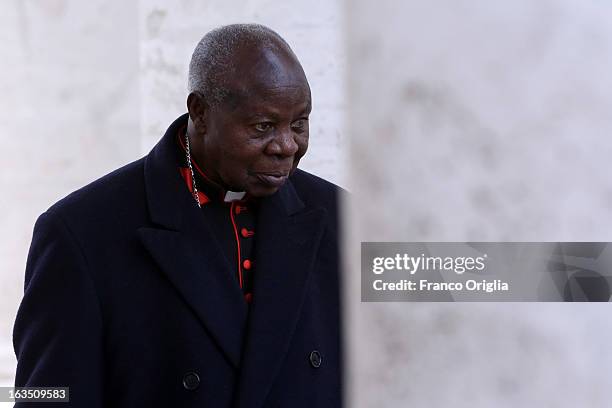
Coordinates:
(299, 124)
(262, 127)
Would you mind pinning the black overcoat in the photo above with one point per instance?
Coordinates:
(129, 302)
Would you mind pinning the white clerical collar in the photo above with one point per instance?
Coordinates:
(233, 196)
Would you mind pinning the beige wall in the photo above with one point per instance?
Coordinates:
(479, 120)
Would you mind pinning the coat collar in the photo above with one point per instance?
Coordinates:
(182, 243)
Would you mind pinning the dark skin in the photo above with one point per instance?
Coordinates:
(253, 141)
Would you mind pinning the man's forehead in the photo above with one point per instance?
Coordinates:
(265, 77)
(265, 67)
(277, 101)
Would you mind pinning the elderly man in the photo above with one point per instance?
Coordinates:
(206, 273)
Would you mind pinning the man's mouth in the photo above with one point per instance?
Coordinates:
(272, 179)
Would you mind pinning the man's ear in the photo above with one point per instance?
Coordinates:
(198, 111)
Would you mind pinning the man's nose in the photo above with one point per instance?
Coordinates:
(283, 144)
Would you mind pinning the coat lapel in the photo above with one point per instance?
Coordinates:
(289, 235)
(183, 245)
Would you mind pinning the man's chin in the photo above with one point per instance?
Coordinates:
(262, 190)
(263, 185)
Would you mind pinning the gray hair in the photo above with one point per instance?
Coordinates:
(212, 56)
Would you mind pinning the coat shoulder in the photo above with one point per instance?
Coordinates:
(316, 191)
(109, 194)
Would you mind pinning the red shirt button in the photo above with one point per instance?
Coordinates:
(248, 297)
(246, 233)
(246, 264)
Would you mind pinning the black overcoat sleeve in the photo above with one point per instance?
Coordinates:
(58, 331)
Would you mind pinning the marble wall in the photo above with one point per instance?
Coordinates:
(479, 120)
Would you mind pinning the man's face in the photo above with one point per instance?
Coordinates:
(254, 140)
